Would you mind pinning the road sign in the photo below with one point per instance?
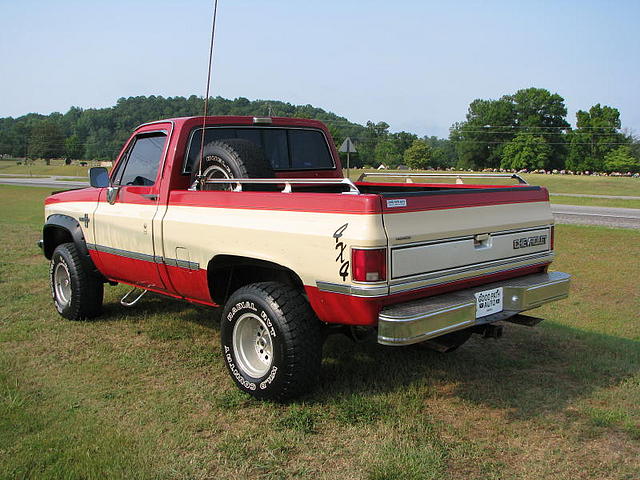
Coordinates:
(348, 146)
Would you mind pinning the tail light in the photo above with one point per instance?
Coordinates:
(553, 234)
(369, 265)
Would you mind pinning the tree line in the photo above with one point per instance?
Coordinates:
(525, 130)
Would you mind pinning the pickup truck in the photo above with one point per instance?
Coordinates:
(255, 216)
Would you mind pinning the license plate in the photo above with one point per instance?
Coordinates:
(488, 302)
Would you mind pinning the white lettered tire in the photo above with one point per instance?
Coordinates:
(271, 341)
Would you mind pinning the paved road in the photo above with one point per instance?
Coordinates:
(51, 182)
(607, 217)
(584, 195)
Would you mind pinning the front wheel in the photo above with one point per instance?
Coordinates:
(271, 341)
(77, 294)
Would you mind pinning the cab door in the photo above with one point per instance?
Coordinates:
(123, 223)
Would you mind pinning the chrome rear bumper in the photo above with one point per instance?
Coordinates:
(419, 320)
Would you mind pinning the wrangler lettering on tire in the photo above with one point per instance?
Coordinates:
(271, 341)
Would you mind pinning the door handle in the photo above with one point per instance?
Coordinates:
(150, 196)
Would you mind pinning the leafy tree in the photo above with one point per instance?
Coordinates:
(46, 141)
(491, 124)
(444, 152)
(621, 160)
(418, 155)
(388, 153)
(596, 135)
(479, 140)
(543, 113)
(526, 151)
(73, 148)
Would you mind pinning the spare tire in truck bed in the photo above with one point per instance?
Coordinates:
(232, 158)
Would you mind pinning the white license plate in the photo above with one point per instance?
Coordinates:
(488, 302)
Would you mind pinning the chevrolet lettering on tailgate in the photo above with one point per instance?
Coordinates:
(530, 241)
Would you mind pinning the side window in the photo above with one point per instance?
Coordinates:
(143, 160)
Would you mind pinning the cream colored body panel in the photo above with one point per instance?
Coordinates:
(430, 225)
(75, 210)
(301, 241)
(455, 257)
(456, 253)
(125, 226)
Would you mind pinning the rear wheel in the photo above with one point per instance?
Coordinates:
(271, 341)
(77, 294)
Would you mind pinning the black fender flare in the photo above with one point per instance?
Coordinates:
(60, 229)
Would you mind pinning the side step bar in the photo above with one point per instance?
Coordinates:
(125, 302)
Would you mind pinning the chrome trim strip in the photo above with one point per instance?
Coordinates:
(145, 257)
(419, 281)
(460, 176)
(126, 253)
(354, 290)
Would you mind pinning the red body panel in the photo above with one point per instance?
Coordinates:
(300, 202)
(83, 195)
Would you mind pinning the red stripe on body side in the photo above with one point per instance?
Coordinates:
(296, 202)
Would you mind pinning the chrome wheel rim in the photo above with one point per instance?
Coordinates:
(252, 345)
(62, 283)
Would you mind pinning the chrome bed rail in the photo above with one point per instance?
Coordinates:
(457, 176)
(287, 182)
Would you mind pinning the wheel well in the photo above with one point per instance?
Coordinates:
(227, 273)
(54, 236)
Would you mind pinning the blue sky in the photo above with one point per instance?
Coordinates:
(413, 64)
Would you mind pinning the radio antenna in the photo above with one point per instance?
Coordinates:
(206, 97)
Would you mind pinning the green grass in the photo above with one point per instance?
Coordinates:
(595, 202)
(143, 393)
(555, 183)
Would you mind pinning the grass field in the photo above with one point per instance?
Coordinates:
(594, 202)
(39, 168)
(143, 393)
(555, 183)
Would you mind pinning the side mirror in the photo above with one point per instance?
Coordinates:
(98, 177)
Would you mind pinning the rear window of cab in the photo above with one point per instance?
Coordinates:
(284, 148)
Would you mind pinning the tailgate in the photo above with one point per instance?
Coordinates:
(444, 236)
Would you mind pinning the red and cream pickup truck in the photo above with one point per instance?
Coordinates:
(254, 215)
